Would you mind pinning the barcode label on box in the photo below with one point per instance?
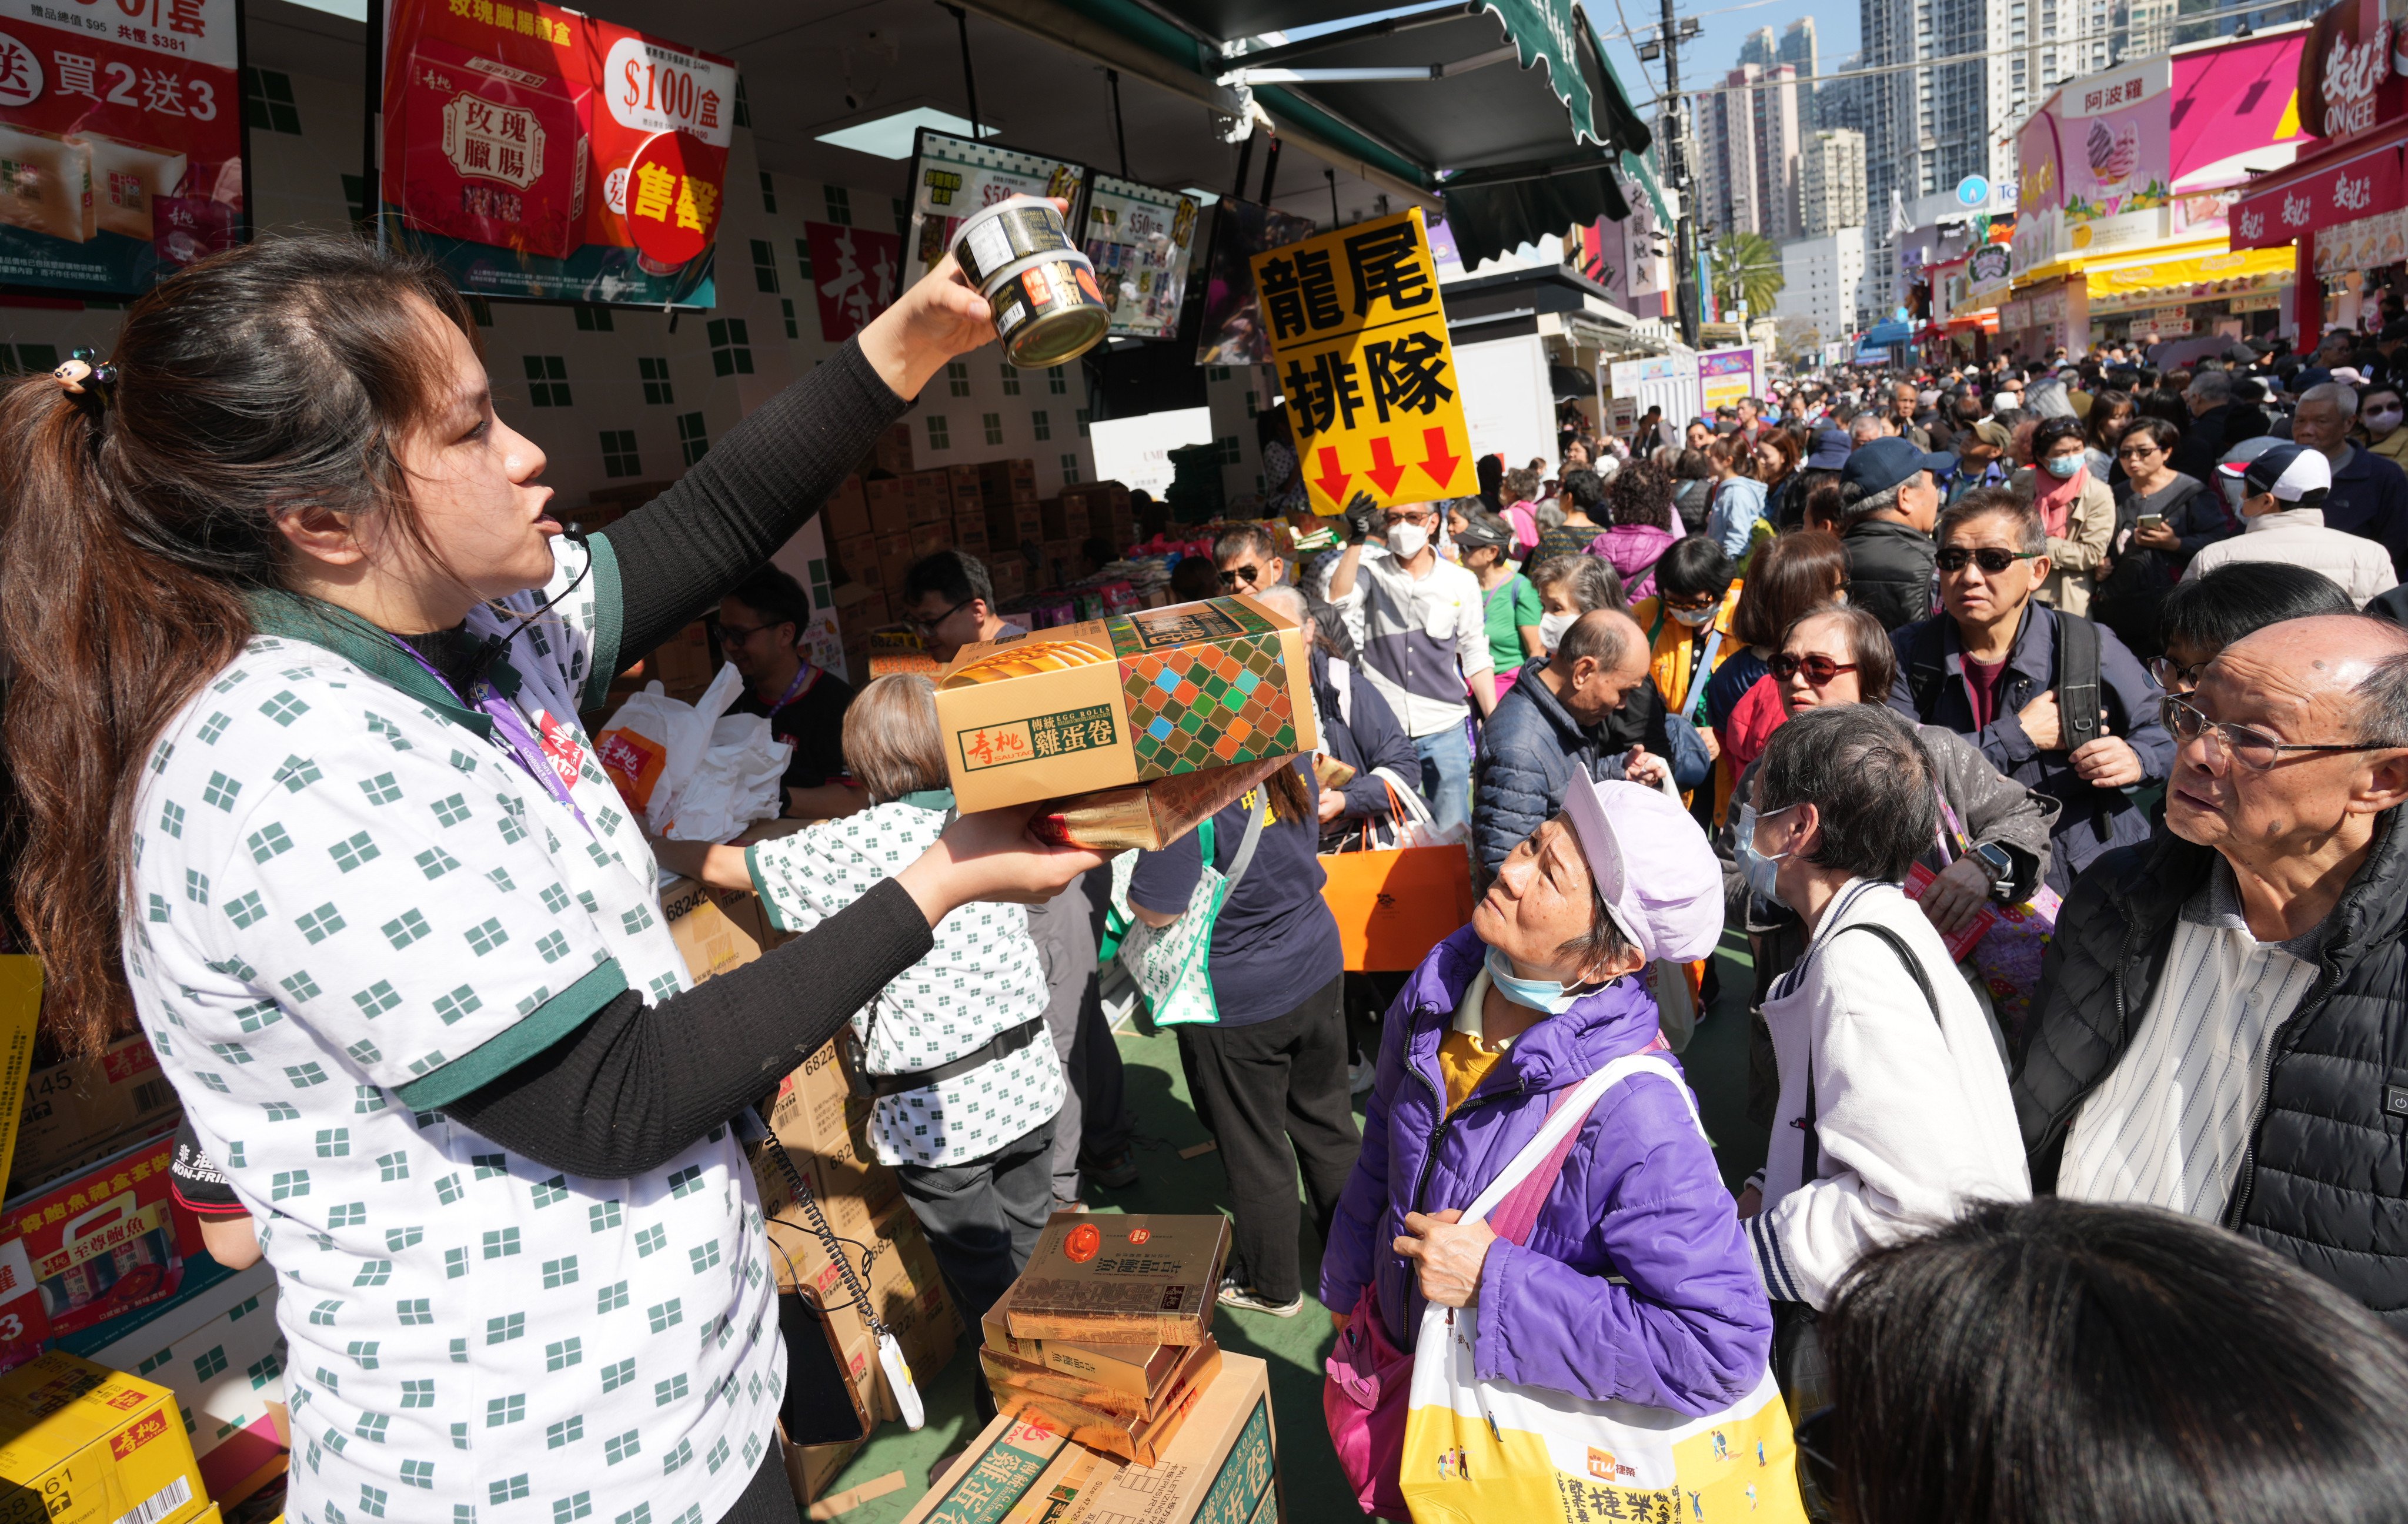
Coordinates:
(159, 1504)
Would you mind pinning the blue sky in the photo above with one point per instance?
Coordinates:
(1715, 50)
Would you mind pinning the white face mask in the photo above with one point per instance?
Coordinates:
(2063, 466)
(1758, 868)
(2382, 420)
(1552, 629)
(1404, 541)
(1693, 617)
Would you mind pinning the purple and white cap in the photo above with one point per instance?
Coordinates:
(1653, 868)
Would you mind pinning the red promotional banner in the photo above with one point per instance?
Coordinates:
(852, 270)
(120, 140)
(540, 153)
(2348, 191)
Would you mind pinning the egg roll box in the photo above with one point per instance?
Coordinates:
(1124, 700)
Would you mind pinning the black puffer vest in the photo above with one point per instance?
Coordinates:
(2324, 1181)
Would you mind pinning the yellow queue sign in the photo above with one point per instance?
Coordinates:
(1358, 337)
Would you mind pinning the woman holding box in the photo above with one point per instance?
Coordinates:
(300, 656)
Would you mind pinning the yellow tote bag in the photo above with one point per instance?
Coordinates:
(1481, 1452)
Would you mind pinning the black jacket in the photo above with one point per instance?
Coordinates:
(2325, 1182)
(1527, 752)
(1889, 570)
(1364, 733)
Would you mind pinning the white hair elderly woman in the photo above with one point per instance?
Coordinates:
(955, 1048)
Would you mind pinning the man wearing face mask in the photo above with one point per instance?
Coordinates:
(1589, 708)
(2369, 495)
(1424, 641)
(2280, 492)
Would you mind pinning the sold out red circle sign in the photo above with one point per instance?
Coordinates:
(672, 197)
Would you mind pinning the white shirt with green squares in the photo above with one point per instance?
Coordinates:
(349, 908)
(981, 978)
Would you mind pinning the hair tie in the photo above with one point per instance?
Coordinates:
(85, 373)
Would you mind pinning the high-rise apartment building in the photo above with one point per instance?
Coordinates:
(1832, 182)
(1957, 78)
(1749, 131)
(1759, 48)
(1799, 51)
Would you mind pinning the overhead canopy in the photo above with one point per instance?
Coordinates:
(1468, 95)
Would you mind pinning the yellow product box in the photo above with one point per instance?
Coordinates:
(1127, 699)
(80, 1444)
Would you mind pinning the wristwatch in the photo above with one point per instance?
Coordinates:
(2003, 870)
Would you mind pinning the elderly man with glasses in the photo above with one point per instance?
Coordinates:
(1424, 641)
(1996, 666)
(2217, 1029)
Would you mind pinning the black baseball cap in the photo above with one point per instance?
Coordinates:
(1879, 464)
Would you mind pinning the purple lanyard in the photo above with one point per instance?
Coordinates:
(803, 681)
(512, 726)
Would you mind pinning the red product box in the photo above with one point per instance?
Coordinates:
(84, 1249)
(493, 152)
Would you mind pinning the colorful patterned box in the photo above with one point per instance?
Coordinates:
(1124, 700)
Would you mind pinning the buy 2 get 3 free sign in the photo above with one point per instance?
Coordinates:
(1358, 336)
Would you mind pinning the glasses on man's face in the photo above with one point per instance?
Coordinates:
(2257, 750)
(1819, 669)
(1397, 520)
(1249, 576)
(928, 625)
(2173, 675)
(1992, 559)
(735, 634)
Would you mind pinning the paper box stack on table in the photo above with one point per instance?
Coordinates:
(1107, 1334)
(1136, 727)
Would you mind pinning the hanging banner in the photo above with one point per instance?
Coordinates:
(1724, 377)
(122, 146)
(536, 151)
(1359, 336)
(853, 274)
(1141, 240)
(952, 178)
(2349, 81)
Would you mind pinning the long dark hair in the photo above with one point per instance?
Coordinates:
(272, 377)
(2067, 1361)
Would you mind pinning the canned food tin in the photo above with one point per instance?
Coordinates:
(1048, 309)
(1011, 229)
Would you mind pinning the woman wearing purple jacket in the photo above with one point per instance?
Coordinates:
(1635, 1282)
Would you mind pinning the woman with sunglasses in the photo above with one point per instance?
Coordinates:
(1993, 843)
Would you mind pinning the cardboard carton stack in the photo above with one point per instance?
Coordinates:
(83, 1445)
(1115, 1404)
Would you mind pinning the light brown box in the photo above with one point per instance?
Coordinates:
(1009, 576)
(970, 536)
(1101, 1278)
(1227, 1450)
(887, 501)
(846, 511)
(927, 539)
(893, 562)
(1138, 1373)
(930, 496)
(711, 942)
(810, 1468)
(682, 661)
(893, 451)
(1136, 1437)
(858, 555)
(1107, 703)
(1054, 517)
(80, 1110)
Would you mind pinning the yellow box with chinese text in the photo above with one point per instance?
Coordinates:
(1138, 696)
(80, 1444)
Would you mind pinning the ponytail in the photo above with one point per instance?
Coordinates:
(135, 519)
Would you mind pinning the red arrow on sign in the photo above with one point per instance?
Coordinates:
(1385, 473)
(1332, 481)
(1439, 465)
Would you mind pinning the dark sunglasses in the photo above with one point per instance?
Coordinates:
(1989, 558)
(1819, 669)
(1235, 575)
(2134, 451)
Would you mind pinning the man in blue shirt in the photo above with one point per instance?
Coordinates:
(2369, 494)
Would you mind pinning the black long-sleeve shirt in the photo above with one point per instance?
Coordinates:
(637, 1084)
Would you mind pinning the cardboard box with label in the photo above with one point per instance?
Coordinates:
(1126, 700)
(1137, 1374)
(83, 1445)
(1104, 1278)
(711, 941)
(78, 1110)
(1134, 1437)
(90, 1246)
(219, 1352)
(1221, 1468)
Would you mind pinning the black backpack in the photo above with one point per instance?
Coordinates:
(2076, 687)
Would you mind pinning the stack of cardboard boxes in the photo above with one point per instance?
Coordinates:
(1113, 1401)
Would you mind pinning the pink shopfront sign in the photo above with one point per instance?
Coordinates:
(2351, 190)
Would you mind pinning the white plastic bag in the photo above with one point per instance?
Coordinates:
(654, 744)
(741, 778)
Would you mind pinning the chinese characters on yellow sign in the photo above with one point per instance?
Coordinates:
(1359, 336)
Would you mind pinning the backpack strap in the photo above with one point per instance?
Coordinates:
(2077, 678)
(1927, 669)
(1811, 1164)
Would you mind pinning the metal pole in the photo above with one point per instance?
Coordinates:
(1684, 233)
(1120, 131)
(969, 75)
(1271, 171)
(1331, 176)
